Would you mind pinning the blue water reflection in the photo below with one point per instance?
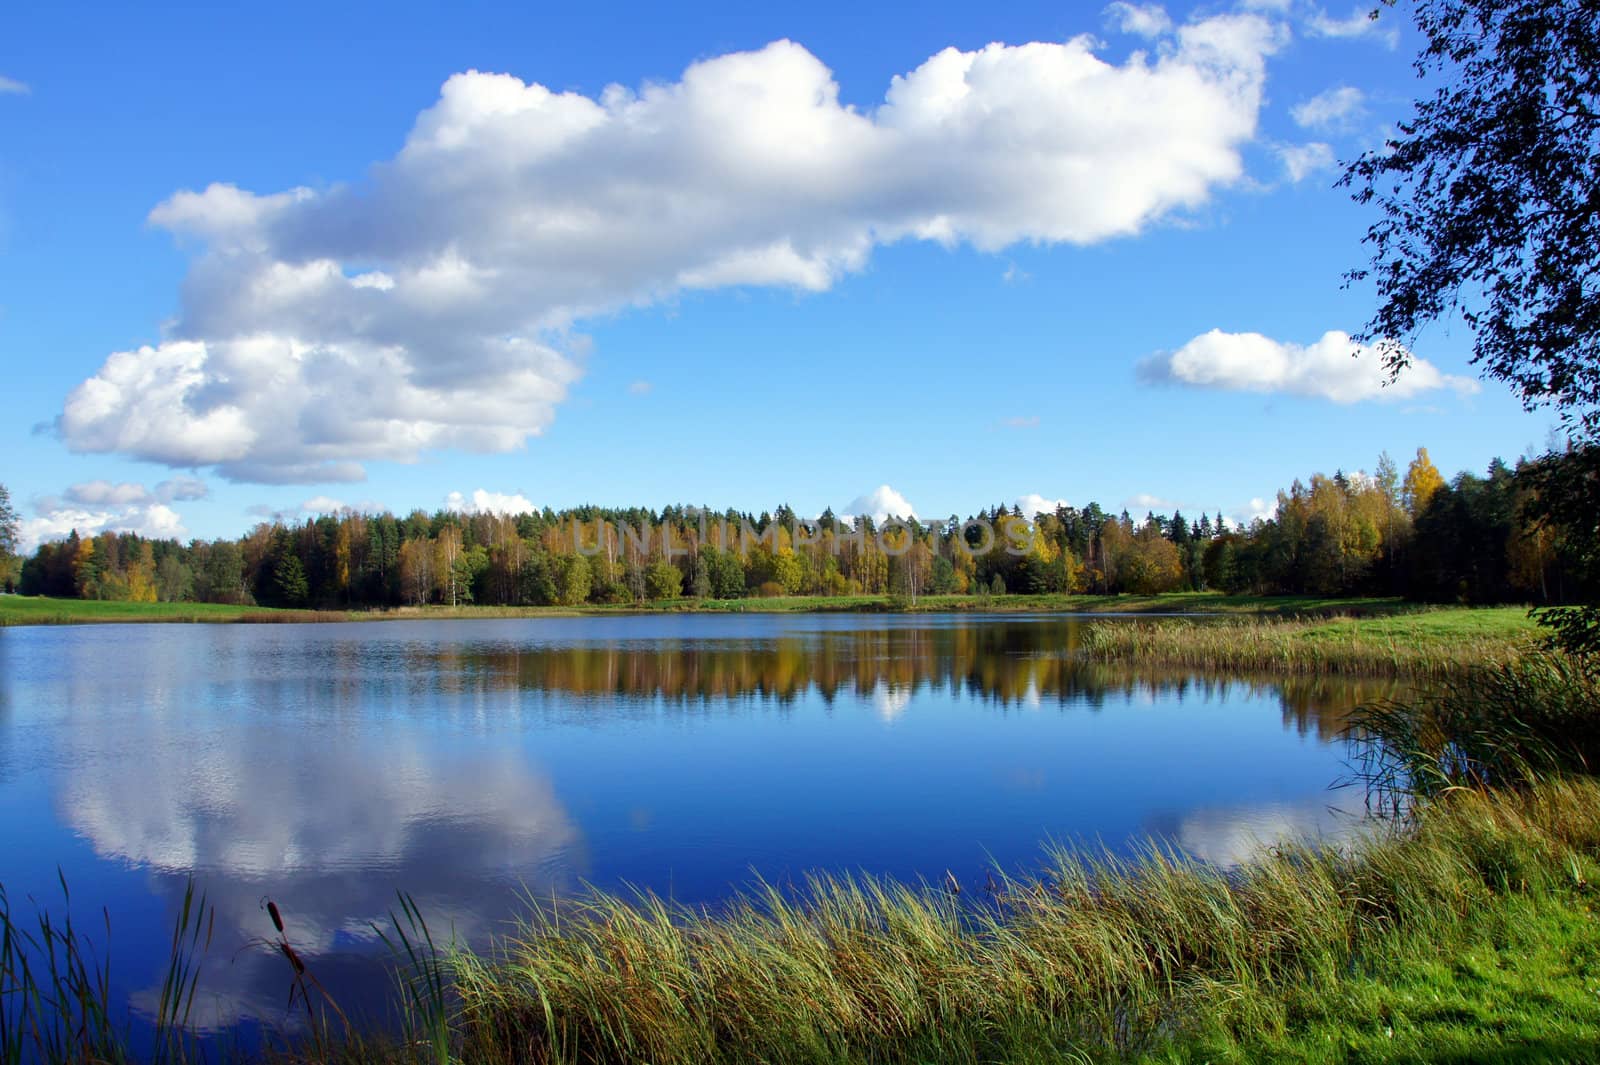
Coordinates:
(468, 762)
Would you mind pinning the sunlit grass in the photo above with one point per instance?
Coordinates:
(1430, 643)
(1168, 603)
(41, 610)
(1517, 983)
(1113, 960)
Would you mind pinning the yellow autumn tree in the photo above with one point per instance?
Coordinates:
(86, 570)
(1423, 479)
(142, 575)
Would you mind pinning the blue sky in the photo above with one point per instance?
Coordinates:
(256, 264)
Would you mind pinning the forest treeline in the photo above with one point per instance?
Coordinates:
(1474, 539)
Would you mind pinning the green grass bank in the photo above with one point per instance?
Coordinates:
(39, 610)
(1430, 643)
(1293, 634)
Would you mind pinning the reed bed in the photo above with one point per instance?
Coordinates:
(1492, 726)
(1429, 645)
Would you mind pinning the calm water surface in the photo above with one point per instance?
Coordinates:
(468, 762)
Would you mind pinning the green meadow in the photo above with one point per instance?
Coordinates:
(41, 610)
(44, 610)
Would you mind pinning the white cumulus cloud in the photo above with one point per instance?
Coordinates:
(322, 505)
(1257, 509)
(485, 502)
(1359, 23)
(1333, 368)
(99, 493)
(1300, 161)
(94, 507)
(881, 504)
(316, 506)
(56, 519)
(1143, 20)
(1034, 504)
(1143, 503)
(428, 305)
(1331, 109)
(13, 87)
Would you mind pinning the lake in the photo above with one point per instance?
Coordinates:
(475, 763)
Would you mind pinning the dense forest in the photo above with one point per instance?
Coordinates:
(1475, 539)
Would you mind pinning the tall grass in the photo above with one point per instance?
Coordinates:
(1407, 646)
(55, 986)
(426, 990)
(1493, 726)
(1107, 958)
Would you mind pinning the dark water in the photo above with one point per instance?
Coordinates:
(467, 762)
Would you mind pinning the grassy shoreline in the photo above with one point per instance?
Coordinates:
(39, 610)
(1469, 935)
(1480, 919)
(1269, 635)
(1427, 644)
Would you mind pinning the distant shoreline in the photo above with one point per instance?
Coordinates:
(1298, 636)
(41, 610)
